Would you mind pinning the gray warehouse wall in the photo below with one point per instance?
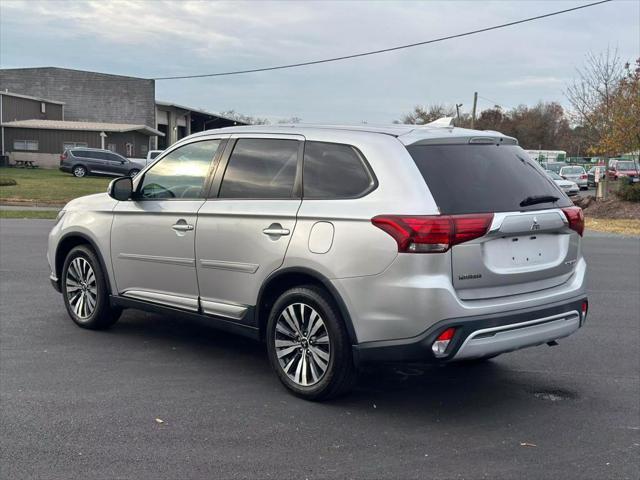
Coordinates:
(88, 96)
(14, 108)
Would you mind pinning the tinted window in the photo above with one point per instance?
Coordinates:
(261, 168)
(80, 153)
(182, 173)
(571, 171)
(153, 155)
(333, 171)
(483, 178)
(112, 157)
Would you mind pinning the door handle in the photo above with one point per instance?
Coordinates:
(182, 227)
(276, 230)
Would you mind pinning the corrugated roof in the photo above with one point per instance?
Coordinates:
(84, 126)
(197, 110)
(29, 97)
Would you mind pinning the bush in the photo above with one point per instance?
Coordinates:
(629, 192)
(6, 181)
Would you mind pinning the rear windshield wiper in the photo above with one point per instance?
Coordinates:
(534, 200)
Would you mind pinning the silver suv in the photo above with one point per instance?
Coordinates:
(337, 246)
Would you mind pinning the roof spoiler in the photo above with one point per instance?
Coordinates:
(444, 122)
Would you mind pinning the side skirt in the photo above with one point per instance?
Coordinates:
(220, 323)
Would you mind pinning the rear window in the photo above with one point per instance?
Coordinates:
(572, 170)
(261, 168)
(626, 166)
(484, 178)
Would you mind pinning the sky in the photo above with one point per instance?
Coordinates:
(521, 64)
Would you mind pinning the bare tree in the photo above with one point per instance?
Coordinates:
(291, 120)
(232, 114)
(423, 115)
(592, 93)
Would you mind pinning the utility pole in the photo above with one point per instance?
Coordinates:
(473, 110)
(458, 105)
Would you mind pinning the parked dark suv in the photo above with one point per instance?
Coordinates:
(83, 161)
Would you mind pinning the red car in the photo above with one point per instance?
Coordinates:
(623, 168)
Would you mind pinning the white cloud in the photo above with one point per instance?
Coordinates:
(519, 64)
(543, 81)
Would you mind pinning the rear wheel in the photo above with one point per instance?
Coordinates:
(85, 292)
(79, 171)
(133, 172)
(308, 344)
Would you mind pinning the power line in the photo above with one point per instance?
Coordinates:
(384, 50)
(492, 101)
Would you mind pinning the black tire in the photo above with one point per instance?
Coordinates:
(79, 171)
(103, 315)
(133, 172)
(340, 374)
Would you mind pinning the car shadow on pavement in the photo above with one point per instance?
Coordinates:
(437, 391)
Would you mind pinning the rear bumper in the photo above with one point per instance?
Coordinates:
(481, 336)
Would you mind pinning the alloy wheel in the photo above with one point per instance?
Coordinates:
(302, 344)
(81, 288)
(79, 172)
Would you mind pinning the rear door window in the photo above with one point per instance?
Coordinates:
(261, 168)
(333, 171)
(476, 178)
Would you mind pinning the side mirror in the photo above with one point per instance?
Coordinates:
(121, 189)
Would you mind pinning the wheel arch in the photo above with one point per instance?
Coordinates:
(67, 243)
(281, 280)
(80, 164)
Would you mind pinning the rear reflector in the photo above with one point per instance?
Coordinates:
(439, 347)
(433, 233)
(585, 309)
(575, 217)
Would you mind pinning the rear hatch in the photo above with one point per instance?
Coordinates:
(573, 173)
(529, 246)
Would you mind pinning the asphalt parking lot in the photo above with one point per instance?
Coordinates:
(78, 404)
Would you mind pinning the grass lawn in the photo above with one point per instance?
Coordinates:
(48, 186)
(47, 214)
(625, 226)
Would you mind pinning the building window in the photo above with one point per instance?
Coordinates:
(68, 145)
(27, 145)
(112, 147)
(143, 150)
(43, 107)
(129, 149)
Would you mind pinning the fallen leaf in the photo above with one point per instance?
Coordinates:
(525, 444)
(159, 420)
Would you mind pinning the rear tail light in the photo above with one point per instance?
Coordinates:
(583, 176)
(439, 347)
(575, 217)
(584, 310)
(63, 157)
(433, 233)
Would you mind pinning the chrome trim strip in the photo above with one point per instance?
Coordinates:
(233, 266)
(187, 262)
(519, 335)
(185, 303)
(227, 310)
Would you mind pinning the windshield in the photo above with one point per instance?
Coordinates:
(553, 175)
(571, 171)
(485, 178)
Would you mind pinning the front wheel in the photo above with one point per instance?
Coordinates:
(308, 345)
(85, 291)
